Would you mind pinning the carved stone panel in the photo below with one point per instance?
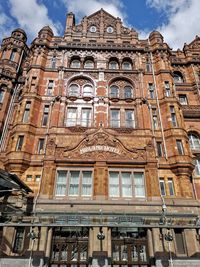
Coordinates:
(100, 146)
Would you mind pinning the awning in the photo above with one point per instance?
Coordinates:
(9, 181)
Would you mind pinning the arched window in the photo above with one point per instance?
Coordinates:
(128, 92)
(114, 91)
(126, 65)
(74, 90)
(89, 64)
(75, 64)
(194, 142)
(178, 77)
(88, 91)
(113, 65)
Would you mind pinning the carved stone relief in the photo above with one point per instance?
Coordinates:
(102, 146)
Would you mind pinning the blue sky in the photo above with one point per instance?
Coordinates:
(177, 20)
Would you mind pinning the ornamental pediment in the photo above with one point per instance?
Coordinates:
(102, 146)
(103, 22)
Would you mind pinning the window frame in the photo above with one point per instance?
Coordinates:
(120, 184)
(113, 120)
(41, 145)
(67, 182)
(111, 66)
(20, 143)
(173, 116)
(75, 64)
(26, 115)
(50, 87)
(45, 116)
(180, 148)
(162, 186)
(151, 89)
(194, 141)
(184, 100)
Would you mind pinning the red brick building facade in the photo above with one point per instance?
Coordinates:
(104, 128)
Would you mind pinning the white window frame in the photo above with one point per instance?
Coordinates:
(180, 148)
(67, 182)
(162, 186)
(119, 185)
(194, 141)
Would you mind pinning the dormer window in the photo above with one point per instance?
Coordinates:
(75, 64)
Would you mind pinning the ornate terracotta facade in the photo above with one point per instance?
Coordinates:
(104, 128)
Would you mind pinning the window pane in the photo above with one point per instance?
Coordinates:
(197, 167)
(139, 184)
(20, 143)
(71, 116)
(74, 183)
(114, 184)
(180, 147)
(74, 90)
(171, 186)
(86, 117)
(87, 91)
(61, 183)
(128, 92)
(114, 91)
(115, 118)
(162, 187)
(126, 184)
(129, 119)
(86, 183)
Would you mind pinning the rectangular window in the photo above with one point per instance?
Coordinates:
(171, 186)
(12, 55)
(45, 115)
(27, 112)
(183, 99)
(53, 62)
(129, 119)
(40, 149)
(155, 118)
(115, 118)
(167, 89)
(2, 92)
(173, 116)
(151, 90)
(37, 178)
(162, 187)
(159, 149)
(28, 178)
(126, 184)
(20, 142)
(86, 117)
(50, 87)
(197, 166)
(19, 240)
(114, 184)
(179, 238)
(61, 183)
(71, 117)
(139, 184)
(86, 189)
(179, 145)
(74, 183)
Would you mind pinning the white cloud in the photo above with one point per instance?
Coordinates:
(183, 18)
(32, 16)
(81, 8)
(6, 24)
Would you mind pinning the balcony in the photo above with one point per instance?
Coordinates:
(192, 111)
